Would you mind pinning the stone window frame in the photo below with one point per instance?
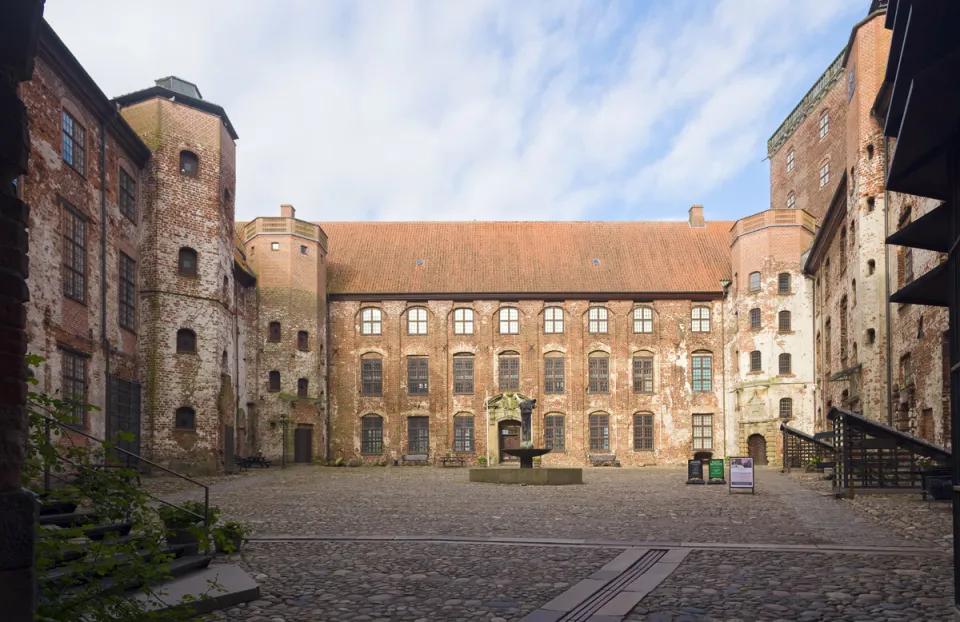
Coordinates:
(756, 361)
(185, 419)
(73, 385)
(508, 371)
(371, 375)
(702, 431)
(790, 160)
(784, 284)
(644, 380)
(598, 320)
(463, 374)
(599, 426)
(554, 430)
(554, 364)
(303, 340)
(700, 319)
(784, 364)
(417, 321)
(74, 253)
(418, 375)
(371, 321)
(273, 381)
(371, 435)
(186, 342)
(189, 163)
(786, 408)
(643, 319)
(643, 431)
(508, 319)
(127, 293)
(823, 125)
(464, 434)
(756, 322)
(303, 387)
(701, 377)
(784, 321)
(73, 145)
(462, 320)
(552, 324)
(127, 190)
(418, 434)
(188, 262)
(598, 372)
(274, 332)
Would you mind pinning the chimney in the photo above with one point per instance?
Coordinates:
(287, 211)
(696, 217)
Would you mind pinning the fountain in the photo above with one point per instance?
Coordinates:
(526, 474)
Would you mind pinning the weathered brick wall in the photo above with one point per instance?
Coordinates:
(672, 402)
(189, 212)
(53, 320)
(753, 397)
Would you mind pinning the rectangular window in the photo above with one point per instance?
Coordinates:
(553, 434)
(755, 361)
(643, 432)
(73, 387)
(643, 320)
(553, 374)
(824, 174)
(702, 372)
(463, 375)
(417, 376)
(74, 255)
(824, 124)
(128, 196)
(599, 433)
(128, 292)
(703, 432)
(754, 281)
(463, 321)
(371, 372)
(599, 368)
(597, 320)
(418, 435)
(553, 320)
(371, 442)
(509, 321)
(783, 283)
(463, 434)
(755, 319)
(304, 250)
(700, 322)
(417, 321)
(509, 373)
(790, 160)
(643, 374)
(74, 144)
(371, 321)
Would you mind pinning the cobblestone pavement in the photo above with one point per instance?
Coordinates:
(803, 587)
(927, 522)
(407, 581)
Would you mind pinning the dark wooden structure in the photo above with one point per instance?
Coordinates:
(870, 454)
(800, 448)
(920, 104)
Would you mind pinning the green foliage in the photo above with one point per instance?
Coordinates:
(230, 536)
(187, 514)
(482, 460)
(96, 584)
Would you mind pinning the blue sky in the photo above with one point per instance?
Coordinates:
(480, 109)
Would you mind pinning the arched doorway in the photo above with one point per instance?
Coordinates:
(508, 434)
(757, 448)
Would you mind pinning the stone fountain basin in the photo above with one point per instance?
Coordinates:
(530, 477)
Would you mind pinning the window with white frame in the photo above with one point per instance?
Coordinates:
(824, 124)
(700, 320)
(463, 321)
(790, 160)
(509, 321)
(824, 174)
(597, 320)
(553, 320)
(643, 320)
(417, 321)
(791, 201)
(371, 322)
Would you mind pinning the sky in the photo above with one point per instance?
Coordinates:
(480, 109)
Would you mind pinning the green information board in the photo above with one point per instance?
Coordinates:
(716, 469)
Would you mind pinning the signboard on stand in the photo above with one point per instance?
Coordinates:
(741, 473)
(694, 472)
(716, 472)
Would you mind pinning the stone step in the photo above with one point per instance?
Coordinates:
(235, 587)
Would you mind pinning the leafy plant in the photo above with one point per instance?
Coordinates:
(482, 460)
(230, 536)
(187, 514)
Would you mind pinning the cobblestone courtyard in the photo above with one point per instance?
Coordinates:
(446, 549)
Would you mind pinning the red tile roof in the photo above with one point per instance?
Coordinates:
(526, 257)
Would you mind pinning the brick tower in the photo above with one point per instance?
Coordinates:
(189, 331)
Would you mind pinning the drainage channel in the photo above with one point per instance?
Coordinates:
(592, 605)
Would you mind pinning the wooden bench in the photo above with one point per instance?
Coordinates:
(457, 460)
(414, 458)
(603, 459)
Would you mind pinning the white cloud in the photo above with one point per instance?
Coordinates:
(476, 109)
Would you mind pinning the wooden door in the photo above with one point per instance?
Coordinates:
(757, 449)
(303, 444)
(509, 433)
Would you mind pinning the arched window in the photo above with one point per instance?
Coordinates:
(463, 437)
(509, 321)
(853, 293)
(371, 435)
(553, 432)
(783, 283)
(273, 334)
(371, 321)
(597, 320)
(599, 372)
(754, 281)
(643, 372)
(417, 321)
(791, 201)
(274, 380)
(302, 387)
(303, 340)
(755, 360)
(785, 364)
(187, 262)
(509, 371)
(755, 319)
(871, 266)
(553, 375)
(786, 408)
(371, 374)
(463, 374)
(223, 362)
(463, 321)
(553, 320)
(869, 152)
(702, 371)
(186, 341)
(189, 163)
(185, 419)
(784, 321)
(643, 320)
(871, 336)
(600, 432)
(643, 432)
(700, 319)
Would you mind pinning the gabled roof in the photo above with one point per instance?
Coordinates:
(628, 260)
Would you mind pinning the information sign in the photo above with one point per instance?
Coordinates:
(716, 471)
(694, 472)
(741, 473)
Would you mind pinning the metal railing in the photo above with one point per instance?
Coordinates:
(129, 455)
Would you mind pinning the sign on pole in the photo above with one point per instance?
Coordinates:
(741, 473)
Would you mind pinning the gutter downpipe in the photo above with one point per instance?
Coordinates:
(105, 342)
(327, 427)
(886, 279)
(723, 363)
(236, 369)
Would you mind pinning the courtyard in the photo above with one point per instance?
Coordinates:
(420, 543)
